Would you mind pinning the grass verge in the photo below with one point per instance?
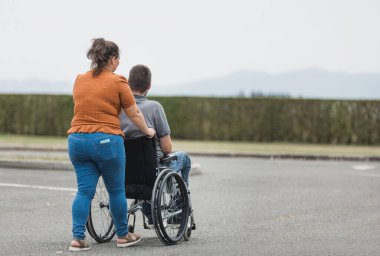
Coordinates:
(217, 146)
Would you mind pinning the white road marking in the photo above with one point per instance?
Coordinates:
(13, 185)
(363, 167)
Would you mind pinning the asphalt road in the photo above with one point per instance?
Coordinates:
(243, 206)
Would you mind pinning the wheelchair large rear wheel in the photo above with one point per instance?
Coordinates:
(170, 205)
(100, 223)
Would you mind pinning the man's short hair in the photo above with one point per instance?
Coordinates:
(139, 78)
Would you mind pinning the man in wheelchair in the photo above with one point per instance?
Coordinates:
(154, 114)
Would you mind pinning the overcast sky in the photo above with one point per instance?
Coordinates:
(184, 41)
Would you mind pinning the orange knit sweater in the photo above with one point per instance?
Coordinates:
(97, 102)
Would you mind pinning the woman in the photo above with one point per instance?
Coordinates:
(95, 141)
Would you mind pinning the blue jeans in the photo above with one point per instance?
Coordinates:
(182, 165)
(94, 155)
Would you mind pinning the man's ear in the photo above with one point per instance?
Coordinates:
(149, 87)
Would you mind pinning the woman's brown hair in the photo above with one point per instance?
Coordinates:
(100, 53)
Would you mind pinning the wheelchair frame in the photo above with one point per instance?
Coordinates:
(170, 207)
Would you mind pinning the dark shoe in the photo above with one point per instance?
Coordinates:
(148, 225)
(150, 220)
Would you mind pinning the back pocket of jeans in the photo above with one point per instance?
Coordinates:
(106, 149)
(75, 149)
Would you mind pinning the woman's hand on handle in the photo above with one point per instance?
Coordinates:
(151, 133)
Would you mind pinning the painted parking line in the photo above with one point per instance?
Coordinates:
(13, 185)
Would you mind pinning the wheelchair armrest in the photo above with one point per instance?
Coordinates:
(167, 158)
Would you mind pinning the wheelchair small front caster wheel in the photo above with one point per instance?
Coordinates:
(187, 234)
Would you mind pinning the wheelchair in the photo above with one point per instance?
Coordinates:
(159, 189)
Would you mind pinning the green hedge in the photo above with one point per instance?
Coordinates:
(35, 114)
(239, 119)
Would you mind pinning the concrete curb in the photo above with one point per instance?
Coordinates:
(62, 165)
(293, 156)
(196, 168)
(218, 154)
(40, 165)
(33, 148)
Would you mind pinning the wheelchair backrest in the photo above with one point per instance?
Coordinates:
(141, 162)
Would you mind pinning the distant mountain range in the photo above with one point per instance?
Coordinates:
(35, 87)
(310, 83)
